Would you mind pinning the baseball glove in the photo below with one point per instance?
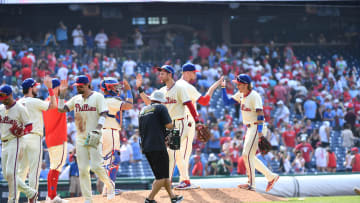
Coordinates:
(203, 132)
(264, 145)
(93, 138)
(17, 130)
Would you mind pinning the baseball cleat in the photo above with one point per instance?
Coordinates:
(184, 185)
(56, 199)
(272, 183)
(177, 199)
(246, 187)
(33, 199)
(149, 201)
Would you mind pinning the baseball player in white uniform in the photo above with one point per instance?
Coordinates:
(32, 158)
(188, 76)
(253, 117)
(13, 114)
(111, 137)
(90, 114)
(177, 98)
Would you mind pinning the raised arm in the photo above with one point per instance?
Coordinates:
(63, 88)
(129, 98)
(227, 101)
(204, 100)
(142, 94)
(48, 84)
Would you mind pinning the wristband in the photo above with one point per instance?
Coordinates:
(51, 92)
(129, 94)
(61, 104)
(260, 128)
(260, 118)
(101, 120)
(141, 90)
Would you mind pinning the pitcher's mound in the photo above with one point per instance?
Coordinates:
(210, 195)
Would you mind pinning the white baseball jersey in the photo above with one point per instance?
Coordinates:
(249, 104)
(176, 96)
(15, 114)
(35, 107)
(191, 91)
(114, 105)
(87, 112)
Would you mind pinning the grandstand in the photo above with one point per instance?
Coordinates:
(274, 40)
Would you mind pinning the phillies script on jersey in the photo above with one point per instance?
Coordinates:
(85, 107)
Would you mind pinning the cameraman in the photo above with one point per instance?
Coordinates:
(153, 121)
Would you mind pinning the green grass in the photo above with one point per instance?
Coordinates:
(328, 199)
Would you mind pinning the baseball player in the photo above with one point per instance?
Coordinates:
(176, 100)
(32, 158)
(253, 117)
(111, 137)
(56, 140)
(189, 75)
(12, 115)
(90, 114)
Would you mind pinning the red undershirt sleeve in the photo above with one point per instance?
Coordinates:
(204, 100)
(191, 107)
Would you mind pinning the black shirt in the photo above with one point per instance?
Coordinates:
(152, 121)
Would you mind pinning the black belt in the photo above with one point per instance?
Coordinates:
(111, 116)
(3, 141)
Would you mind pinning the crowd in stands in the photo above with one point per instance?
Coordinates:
(311, 99)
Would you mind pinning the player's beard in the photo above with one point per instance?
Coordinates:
(34, 92)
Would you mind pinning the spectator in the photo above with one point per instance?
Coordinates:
(310, 109)
(211, 166)
(324, 133)
(306, 149)
(50, 39)
(128, 67)
(224, 165)
(89, 39)
(274, 138)
(355, 163)
(8, 73)
(198, 167)
(347, 162)
(298, 163)
(321, 158)
(289, 138)
(26, 72)
(63, 72)
(78, 39)
(350, 117)
(44, 171)
(135, 145)
(282, 113)
(265, 158)
(331, 161)
(214, 142)
(194, 49)
(61, 35)
(284, 160)
(74, 187)
(348, 137)
(241, 169)
(101, 40)
(3, 51)
(138, 42)
(126, 153)
(299, 112)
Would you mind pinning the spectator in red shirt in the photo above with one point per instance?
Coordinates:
(241, 170)
(225, 138)
(26, 72)
(289, 138)
(204, 51)
(26, 60)
(280, 92)
(198, 167)
(331, 160)
(306, 149)
(355, 163)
